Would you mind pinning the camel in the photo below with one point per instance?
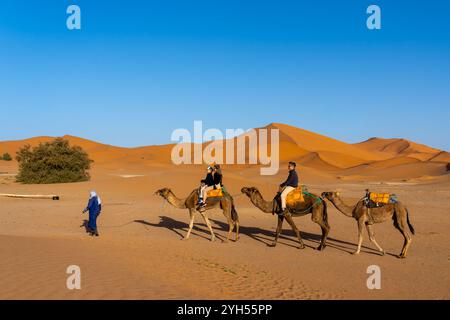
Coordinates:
(313, 204)
(225, 203)
(365, 216)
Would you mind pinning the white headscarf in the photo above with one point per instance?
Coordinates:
(94, 194)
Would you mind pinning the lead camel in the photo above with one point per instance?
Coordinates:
(226, 203)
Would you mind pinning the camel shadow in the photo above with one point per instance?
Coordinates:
(261, 235)
(178, 226)
(267, 236)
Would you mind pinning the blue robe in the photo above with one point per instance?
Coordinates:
(94, 209)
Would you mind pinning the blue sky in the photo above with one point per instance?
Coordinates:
(137, 70)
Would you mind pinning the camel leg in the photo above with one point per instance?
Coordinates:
(406, 247)
(402, 228)
(231, 225)
(191, 224)
(372, 239)
(227, 208)
(402, 253)
(297, 232)
(208, 224)
(325, 231)
(279, 228)
(236, 223)
(407, 236)
(360, 236)
(318, 218)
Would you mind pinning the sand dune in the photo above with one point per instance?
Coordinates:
(314, 160)
(393, 162)
(314, 142)
(399, 147)
(396, 146)
(442, 156)
(372, 159)
(399, 172)
(341, 160)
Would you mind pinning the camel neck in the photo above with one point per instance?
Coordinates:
(342, 207)
(173, 200)
(263, 205)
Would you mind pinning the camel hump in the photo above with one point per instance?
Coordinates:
(295, 197)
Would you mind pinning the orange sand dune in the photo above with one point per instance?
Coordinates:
(324, 156)
(340, 160)
(100, 153)
(442, 156)
(404, 171)
(314, 160)
(315, 143)
(97, 151)
(393, 162)
(288, 149)
(396, 147)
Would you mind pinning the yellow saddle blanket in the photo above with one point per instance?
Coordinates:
(380, 197)
(295, 197)
(216, 193)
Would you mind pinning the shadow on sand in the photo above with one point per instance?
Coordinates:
(177, 226)
(84, 225)
(264, 236)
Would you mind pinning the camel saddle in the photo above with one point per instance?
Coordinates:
(375, 200)
(213, 195)
(216, 193)
(294, 197)
(379, 198)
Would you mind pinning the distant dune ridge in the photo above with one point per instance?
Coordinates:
(375, 158)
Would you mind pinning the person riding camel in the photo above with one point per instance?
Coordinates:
(207, 184)
(218, 176)
(289, 185)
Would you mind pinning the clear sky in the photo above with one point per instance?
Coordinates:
(137, 70)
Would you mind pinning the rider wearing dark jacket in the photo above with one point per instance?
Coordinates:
(291, 181)
(209, 180)
(207, 185)
(288, 186)
(217, 175)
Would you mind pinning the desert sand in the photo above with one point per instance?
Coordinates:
(140, 255)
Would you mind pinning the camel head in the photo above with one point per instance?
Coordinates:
(249, 191)
(164, 192)
(330, 195)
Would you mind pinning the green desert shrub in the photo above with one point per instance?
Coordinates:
(6, 157)
(53, 162)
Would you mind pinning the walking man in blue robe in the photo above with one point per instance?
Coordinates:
(94, 207)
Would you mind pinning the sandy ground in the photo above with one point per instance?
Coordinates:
(140, 255)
